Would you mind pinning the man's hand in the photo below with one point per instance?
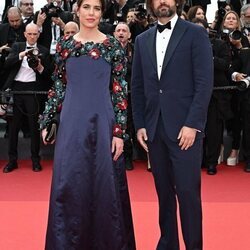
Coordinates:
(58, 21)
(39, 67)
(240, 77)
(142, 138)
(22, 54)
(40, 19)
(4, 47)
(186, 137)
(117, 147)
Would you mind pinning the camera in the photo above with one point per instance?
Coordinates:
(141, 12)
(221, 9)
(235, 35)
(6, 103)
(244, 84)
(33, 58)
(51, 10)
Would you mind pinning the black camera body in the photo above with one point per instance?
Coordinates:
(141, 12)
(33, 58)
(51, 10)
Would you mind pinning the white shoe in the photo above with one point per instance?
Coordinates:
(233, 161)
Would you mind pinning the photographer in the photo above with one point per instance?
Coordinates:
(232, 34)
(51, 20)
(140, 23)
(28, 71)
(116, 11)
(219, 108)
(240, 72)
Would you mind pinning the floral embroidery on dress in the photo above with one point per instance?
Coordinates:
(111, 51)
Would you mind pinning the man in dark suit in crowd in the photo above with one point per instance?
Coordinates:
(52, 25)
(26, 77)
(172, 81)
(13, 30)
(27, 10)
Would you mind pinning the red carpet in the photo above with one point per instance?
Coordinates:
(226, 208)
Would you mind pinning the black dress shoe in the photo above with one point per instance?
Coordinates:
(211, 170)
(10, 167)
(36, 167)
(247, 168)
(129, 164)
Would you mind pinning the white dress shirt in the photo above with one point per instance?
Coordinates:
(25, 73)
(55, 29)
(162, 40)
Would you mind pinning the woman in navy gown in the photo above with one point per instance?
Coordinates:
(89, 204)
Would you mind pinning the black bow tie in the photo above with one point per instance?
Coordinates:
(30, 47)
(161, 27)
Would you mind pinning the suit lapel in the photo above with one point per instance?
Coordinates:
(151, 46)
(178, 32)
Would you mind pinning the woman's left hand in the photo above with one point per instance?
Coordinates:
(117, 147)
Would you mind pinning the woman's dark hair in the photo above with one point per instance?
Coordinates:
(179, 5)
(192, 12)
(103, 4)
(202, 21)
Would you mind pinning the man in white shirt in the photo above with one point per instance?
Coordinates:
(26, 76)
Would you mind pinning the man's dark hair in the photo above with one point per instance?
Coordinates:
(179, 6)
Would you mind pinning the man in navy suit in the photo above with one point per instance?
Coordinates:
(172, 79)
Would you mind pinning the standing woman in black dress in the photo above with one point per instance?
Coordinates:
(89, 203)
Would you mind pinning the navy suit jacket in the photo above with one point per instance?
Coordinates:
(183, 92)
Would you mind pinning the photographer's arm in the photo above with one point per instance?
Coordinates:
(14, 56)
(58, 21)
(39, 19)
(4, 47)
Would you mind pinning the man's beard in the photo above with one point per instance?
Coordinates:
(170, 11)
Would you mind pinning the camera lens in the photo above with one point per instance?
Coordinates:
(244, 84)
(235, 35)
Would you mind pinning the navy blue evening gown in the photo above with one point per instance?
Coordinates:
(89, 204)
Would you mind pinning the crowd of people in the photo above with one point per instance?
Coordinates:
(228, 110)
